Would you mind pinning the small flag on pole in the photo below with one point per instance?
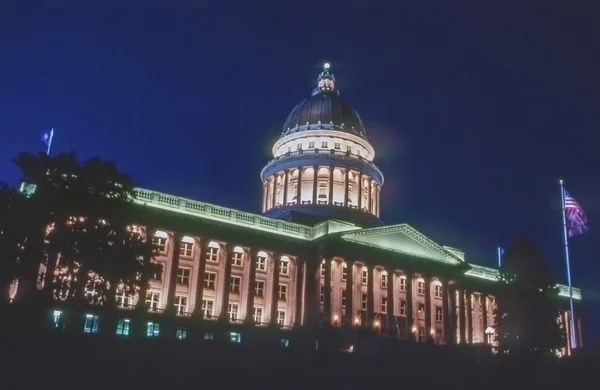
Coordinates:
(47, 139)
(576, 220)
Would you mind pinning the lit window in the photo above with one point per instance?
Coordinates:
(402, 284)
(123, 327)
(323, 269)
(437, 291)
(123, 299)
(363, 303)
(152, 301)
(235, 337)
(280, 317)
(56, 316)
(209, 336)
(183, 276)
(234, 284)
(210, 279)
(421, 310)
(257, 315)
(337, 146)
(284, 266)
(153, 329)
(232, 312)
(285, 343)
(403, 308)
(207, 308)
(211, 254)
(186, 249)
(282, 292)
(259, 288)
(160, 243)
(91, 324)
(322, 294)
(311, 145)
(180, 305)
(181, 333)
(384, 305)
(344, 299)
(420, 287)
(344, 272)
(237, 259)
(438, 314)
(384, 279)
(324, 144)
(261, 263)
(365, 276)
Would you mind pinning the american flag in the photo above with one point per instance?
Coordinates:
(576, 220)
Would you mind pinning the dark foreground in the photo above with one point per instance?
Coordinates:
(79, 362)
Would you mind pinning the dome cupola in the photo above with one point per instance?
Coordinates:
(323, 164)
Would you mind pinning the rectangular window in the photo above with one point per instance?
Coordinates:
(91, 324)
(299, 147)
(363, 302)
(348, 148)
(337, 145)
(285, 343)
(261, 263)
(160, 243)
(437, 291)
(283, 292)
(438, 314)
(181, 333)
(234, 284)
(344, 299)
(123, 299)
(183, 276)
(211, 254)
(421, 310)
(324, 144)
(158, 274)
(186, 249)
(420, 288)
(323, 270)
(259, 288)
(358, 152)
(384, 304)
(289, 149)
(311, 145)
(257, 315)
(152, 301)
(235, 337)
(152, 329)
(344, 272)
(237, 259)
(384, 280)
(209, 336)
(180, 305)
(123, 327)
(365, 276)
(402, 284)
(403, 308)
(210, 279)
(232, 312)
(207, 308)
(281, 317)
(284, 267)
(322, 294)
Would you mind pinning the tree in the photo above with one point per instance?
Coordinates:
(527, 308)
(84, 212)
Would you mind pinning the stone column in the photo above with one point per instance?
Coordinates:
(275, 289)
(378, 200)
(462, 317)
(427, 280)
(176, 242)
(274, 191)
(300, 270)
(228, 249)
(360, 190)
(370, 197)
(264, 199)
(484, 316)
(312, 280)
(299, 191)
(253, 256)
(200, 278)
(315, 184)
(445, 312)
(286, 183)
(327, 292)
(346, 187)
(349, 315)
(453, 314)
(469, 317)
(391, 319)
(331, 169)
(370, 297)
(410, 313)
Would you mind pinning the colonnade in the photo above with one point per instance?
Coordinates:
(322, 185)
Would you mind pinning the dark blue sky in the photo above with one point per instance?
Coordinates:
(474, 110)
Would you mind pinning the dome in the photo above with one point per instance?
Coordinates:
(325, 109)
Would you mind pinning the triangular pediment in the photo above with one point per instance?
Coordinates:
(402, 239)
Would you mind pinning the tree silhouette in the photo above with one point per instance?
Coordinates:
(527, 310)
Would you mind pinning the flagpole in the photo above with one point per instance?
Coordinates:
(500, 257)
(568, 263)
(50, 136)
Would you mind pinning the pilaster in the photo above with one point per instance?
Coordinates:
(253, 257)
(224, 315)
(330, 196)
(286, 183)
(315, 183)
(370, 297)
(427, 282)
(175, 242)
(327, 291)
(391, 319)
(275, 289)
(349, 315)
(200, 278)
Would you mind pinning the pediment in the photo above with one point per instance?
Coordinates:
(402, 239)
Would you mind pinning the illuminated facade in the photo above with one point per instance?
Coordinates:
(233, 269)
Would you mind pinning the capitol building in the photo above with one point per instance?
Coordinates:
(317, 256)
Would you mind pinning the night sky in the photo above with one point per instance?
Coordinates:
(475, 111)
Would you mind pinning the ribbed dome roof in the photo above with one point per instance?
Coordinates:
(325, 109)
